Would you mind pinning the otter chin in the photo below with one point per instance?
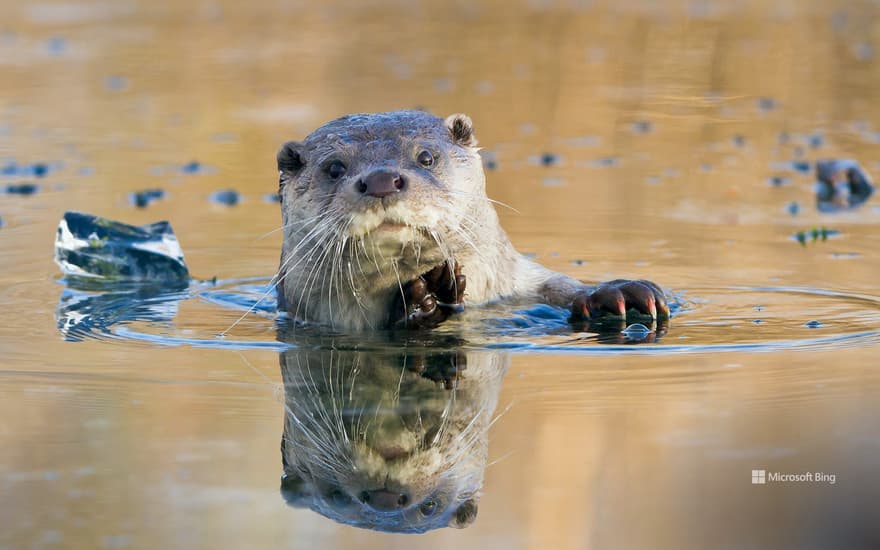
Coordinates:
(372, 204)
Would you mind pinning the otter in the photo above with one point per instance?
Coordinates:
(395, 441)
(386, 222)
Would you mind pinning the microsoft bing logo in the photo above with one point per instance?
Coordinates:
(759, 477)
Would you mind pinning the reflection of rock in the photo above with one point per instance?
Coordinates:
(83, 311)
(841, 184)
(388, 440)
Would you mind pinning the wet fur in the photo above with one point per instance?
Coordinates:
(337, 269)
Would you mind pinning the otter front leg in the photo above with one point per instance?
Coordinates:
(430, 299)
(620, 299)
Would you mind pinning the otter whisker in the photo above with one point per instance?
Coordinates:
(481, 196)
(274, 282)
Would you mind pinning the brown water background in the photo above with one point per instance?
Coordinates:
(666, 119)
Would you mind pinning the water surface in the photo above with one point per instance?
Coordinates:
(674, 141)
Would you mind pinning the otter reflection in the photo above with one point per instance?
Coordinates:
(392, 441)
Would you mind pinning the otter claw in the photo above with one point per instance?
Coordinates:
(620, 299)
(430, 299)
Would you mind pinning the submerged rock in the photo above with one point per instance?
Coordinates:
(99, 250)
(841, 184)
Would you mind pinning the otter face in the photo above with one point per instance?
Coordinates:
(369, 442)
(387, 195)
(382, 173)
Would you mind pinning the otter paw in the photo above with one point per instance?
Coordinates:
(621, 299)
(443, 368)
(430, 299)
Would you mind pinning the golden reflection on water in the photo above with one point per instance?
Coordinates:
(115, 444)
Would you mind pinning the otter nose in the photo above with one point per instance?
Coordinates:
(381, 183)
(384, 500)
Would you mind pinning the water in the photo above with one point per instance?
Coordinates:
(630, 140)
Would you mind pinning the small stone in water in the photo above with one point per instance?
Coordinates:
(549, 159)
(793, 208)
(813, 324)
(229, 197)
(272, 197)
(739, 141)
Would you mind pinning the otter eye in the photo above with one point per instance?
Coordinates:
(425, 158)
(428, 507)
(336, 170)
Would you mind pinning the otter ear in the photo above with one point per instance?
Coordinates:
(465, 515)
(290, 157)
(462, 130)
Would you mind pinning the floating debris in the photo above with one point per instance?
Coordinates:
(116, 83)
(767, 104)
(145, 198)
(605, 162)
(105, 251)
(793, 208)
(56, 45)
(192, 167)
(778, 181)
(841, 184)
(37, 169)
(549, 159)
(229, 197)
(801, 166)
(815, 234)
(642, 127)
(22, 188)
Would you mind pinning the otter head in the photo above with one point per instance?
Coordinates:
(378, 441)
(388, 195)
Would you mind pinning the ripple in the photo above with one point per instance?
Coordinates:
(704, 320)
